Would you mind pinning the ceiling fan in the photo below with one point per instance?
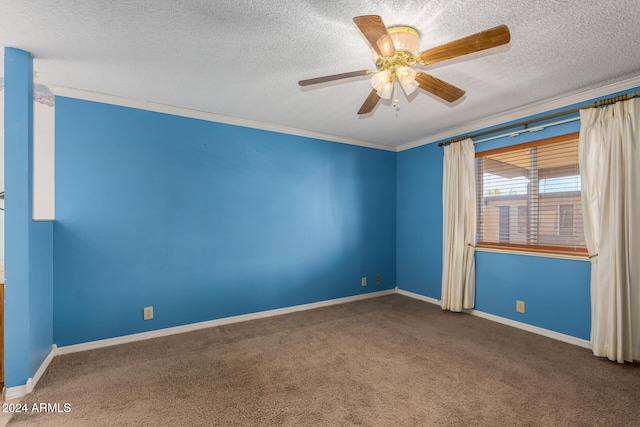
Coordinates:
(395, 53)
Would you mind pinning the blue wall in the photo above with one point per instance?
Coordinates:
(28, 245)
(419, 227)
(204, 220)
(40, 292)
(555, 291)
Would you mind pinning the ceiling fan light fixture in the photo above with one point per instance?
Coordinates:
(409, 88)
(386, 91)
(407, 78)
(404, 38)
(378, 80)
(406, 75)
(386, 46)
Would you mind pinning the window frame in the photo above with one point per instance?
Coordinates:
(573, 252)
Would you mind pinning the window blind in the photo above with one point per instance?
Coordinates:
(529, 198)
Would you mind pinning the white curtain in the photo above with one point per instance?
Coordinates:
(609, 156)
(459, 226)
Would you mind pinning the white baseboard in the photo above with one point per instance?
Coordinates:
(16, 392)
(524, 326)
(212, 323)
(22, 390)
(418, 296)
(530, 328)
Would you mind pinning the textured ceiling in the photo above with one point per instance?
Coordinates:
(243, 58)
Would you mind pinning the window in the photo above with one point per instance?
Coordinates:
(539, 184)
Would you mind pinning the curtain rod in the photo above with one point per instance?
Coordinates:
(526, 123)
(529, 129)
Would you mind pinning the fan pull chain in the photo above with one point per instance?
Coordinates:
(395, 93)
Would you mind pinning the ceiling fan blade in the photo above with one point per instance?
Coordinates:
(376, 34)
(486, 39)
(439, 88)
(369, 103)
(334, 77)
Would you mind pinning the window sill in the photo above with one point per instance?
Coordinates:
(576, 257)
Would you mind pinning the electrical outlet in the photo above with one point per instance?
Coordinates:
(378, 278)
(364, 281)
(520, 306)
(147, 313)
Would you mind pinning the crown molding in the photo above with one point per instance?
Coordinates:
(528, 111)
(211, 117)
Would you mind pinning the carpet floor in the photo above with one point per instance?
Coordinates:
(387, 361)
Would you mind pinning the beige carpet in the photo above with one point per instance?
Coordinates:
(389, 361)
